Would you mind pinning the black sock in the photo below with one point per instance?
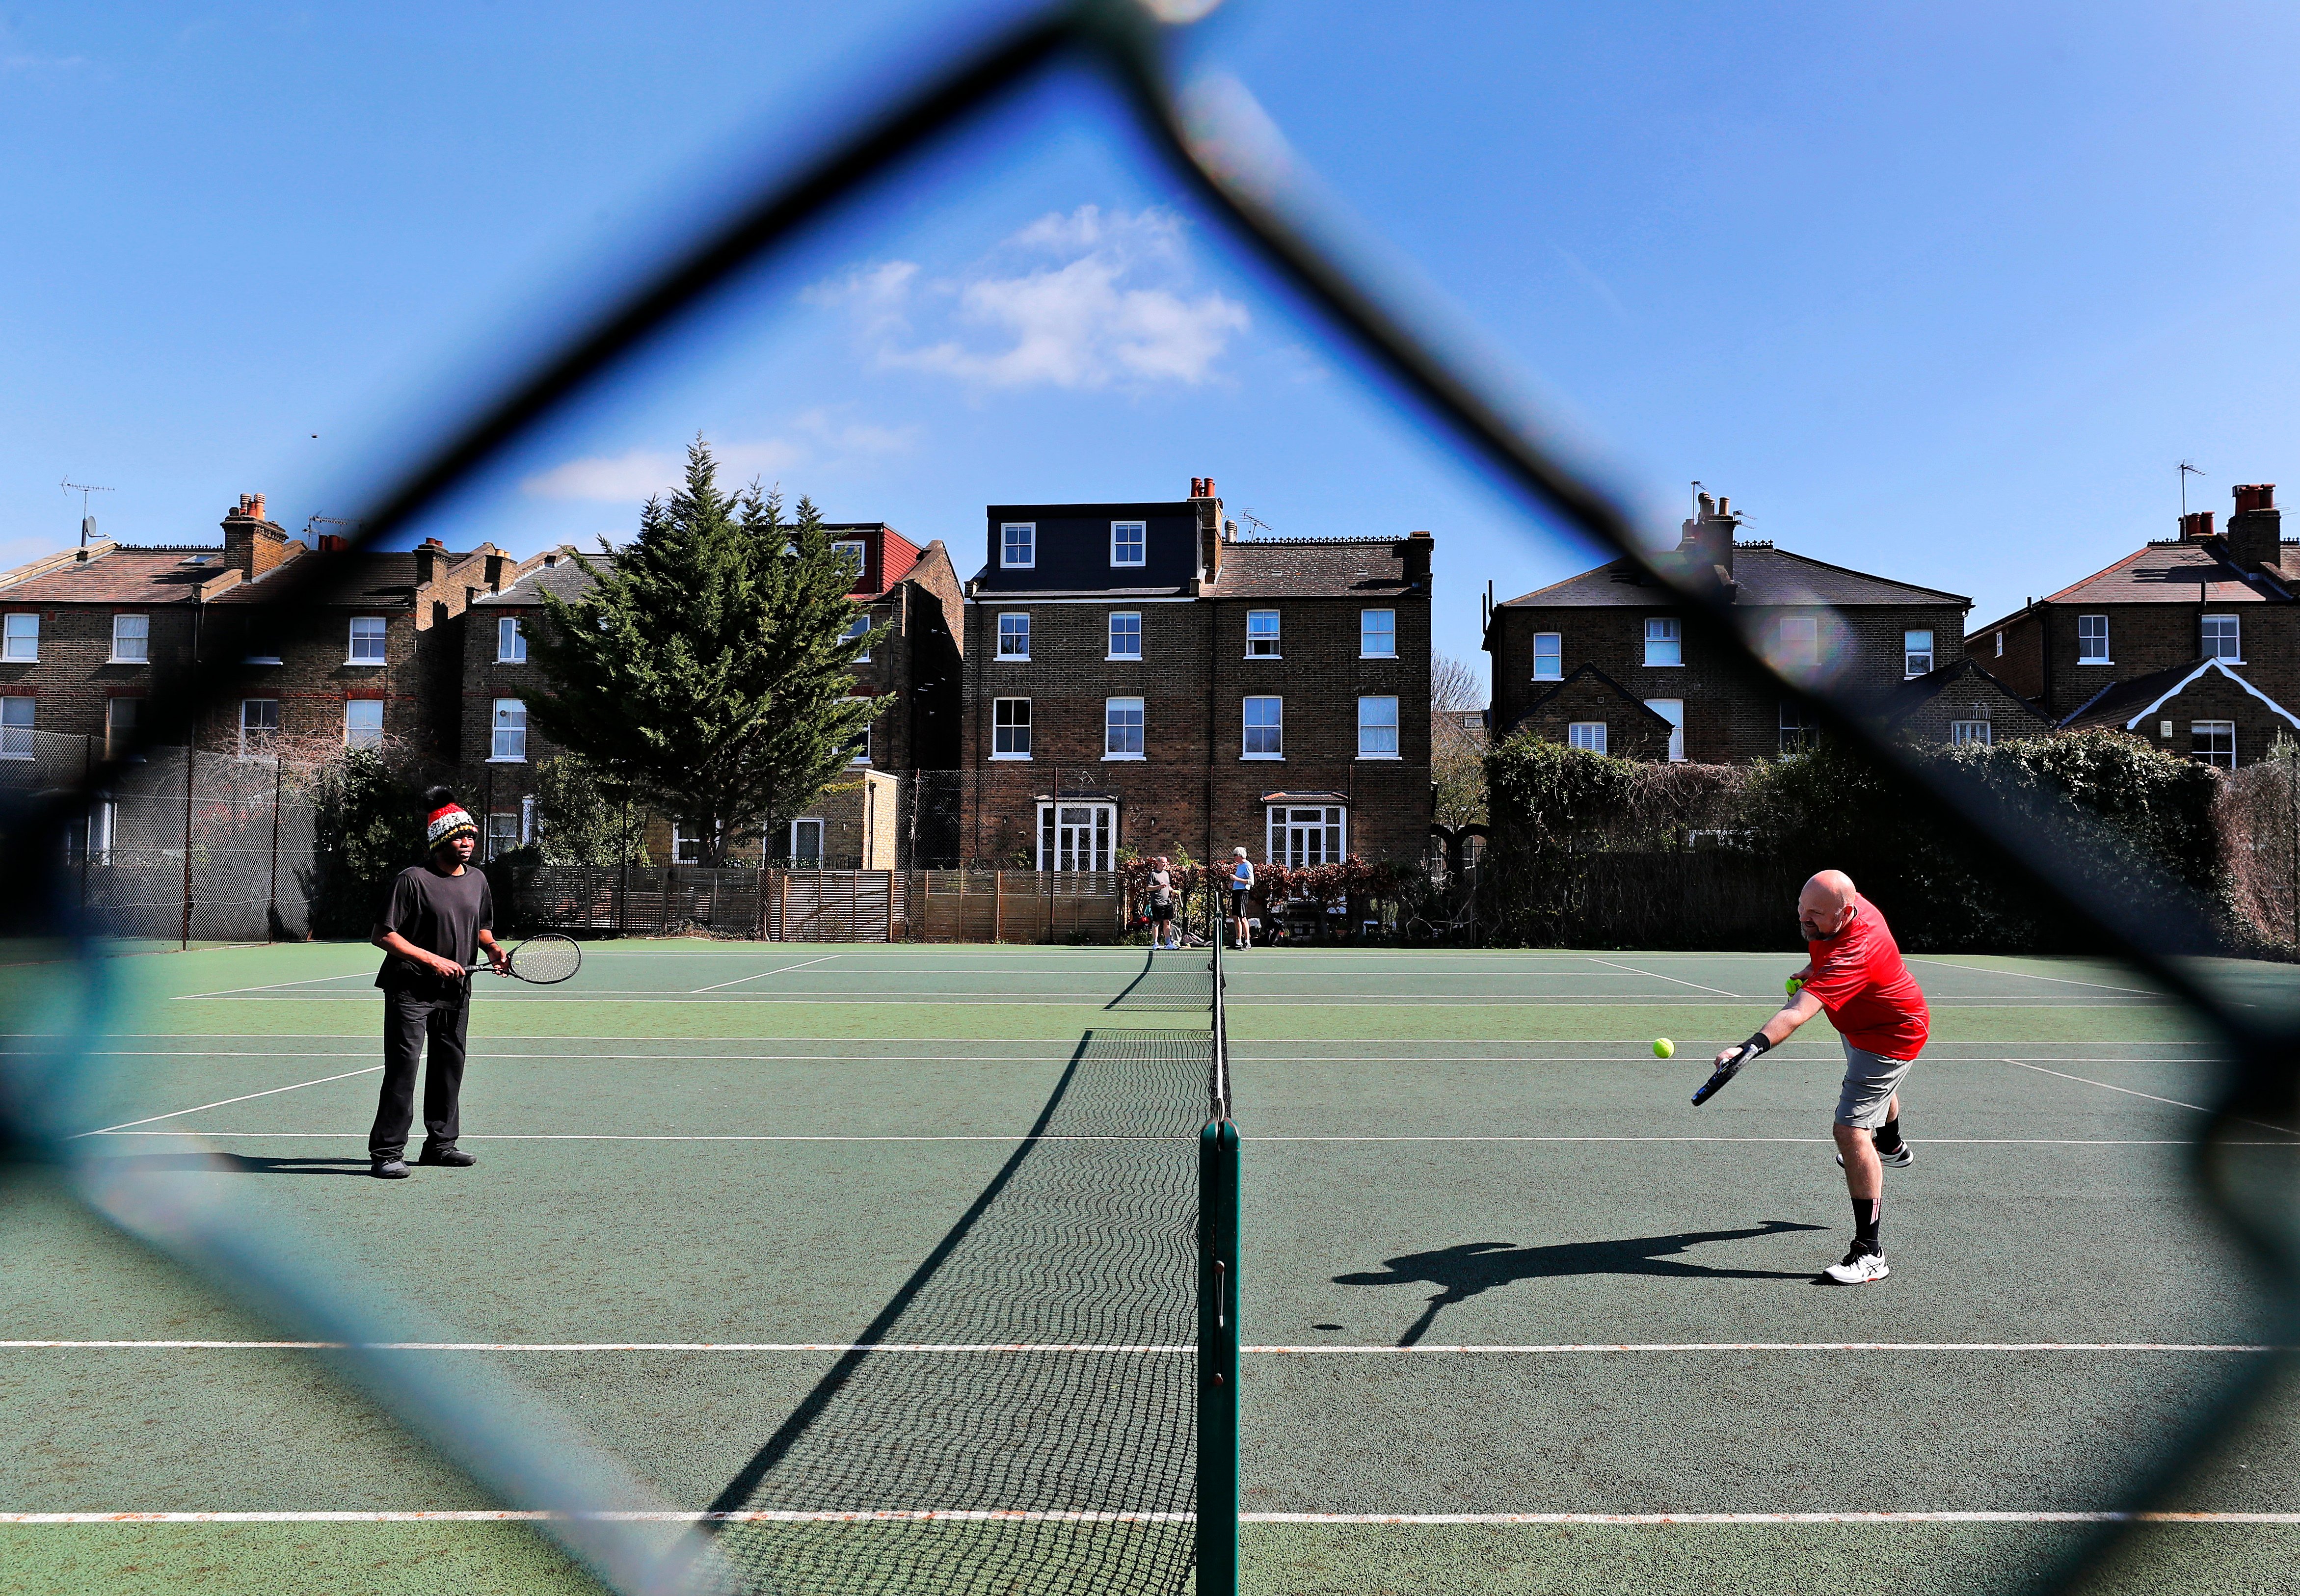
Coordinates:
(1868, 1215)
(1887, 1136)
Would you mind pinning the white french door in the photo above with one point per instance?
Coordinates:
(1077, 836)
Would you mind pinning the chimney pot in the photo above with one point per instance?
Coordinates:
(2254, 496)
(1724, 505)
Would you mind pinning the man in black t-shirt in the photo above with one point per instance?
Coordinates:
(437, 921)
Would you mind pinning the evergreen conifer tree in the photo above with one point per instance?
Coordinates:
(708, 670)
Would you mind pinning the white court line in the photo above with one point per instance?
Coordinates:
(274, 987)
(763, 974)
(1418, 1350)
(2129, 1092)
(1754, 1518)
(1984, 969)
(1659, 976)
(217, 1136)
(729, 1136)
(1611, 999)
(221, 1102)
(1038, 1516)
(588, 1346)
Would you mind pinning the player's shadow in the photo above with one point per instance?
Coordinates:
(1464, 1271)
(239, 1163)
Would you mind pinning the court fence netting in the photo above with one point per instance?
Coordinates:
(520, 1450)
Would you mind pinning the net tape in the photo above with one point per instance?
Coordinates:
(1234, 166)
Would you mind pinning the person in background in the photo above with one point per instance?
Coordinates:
(1241, 884)
(1162, 904)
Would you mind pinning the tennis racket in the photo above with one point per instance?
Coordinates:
(1724, 1073)
(543, 960)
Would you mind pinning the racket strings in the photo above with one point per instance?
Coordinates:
(544, 960)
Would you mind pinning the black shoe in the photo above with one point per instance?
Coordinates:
(391, 1169)
(452, 1158)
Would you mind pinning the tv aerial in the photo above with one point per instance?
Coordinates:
(87, 520)
(1254, 521)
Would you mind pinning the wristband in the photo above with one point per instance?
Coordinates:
(1756, 1046)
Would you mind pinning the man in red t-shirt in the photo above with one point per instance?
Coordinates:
(1855, 975)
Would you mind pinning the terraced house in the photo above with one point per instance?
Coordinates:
(2192, 641)
(1603, 660)
(1140, 678)
(366, 649)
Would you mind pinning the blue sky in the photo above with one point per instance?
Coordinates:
(1944, 292)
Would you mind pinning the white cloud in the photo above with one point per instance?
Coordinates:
(823, 440)
(631, 476)
(1116, 309)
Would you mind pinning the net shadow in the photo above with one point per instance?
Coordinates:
(1063, 1471)
(1174, 980)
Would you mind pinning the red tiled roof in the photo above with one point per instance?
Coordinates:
(120, 576)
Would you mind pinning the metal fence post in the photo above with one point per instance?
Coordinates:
(190, 745)
(278, 796)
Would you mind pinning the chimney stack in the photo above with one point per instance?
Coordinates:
(429, 554)
(2256, 532)
(1211, 533)
(1415, 548)
(1705, 543)
(253, 546)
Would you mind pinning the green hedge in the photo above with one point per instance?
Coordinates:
(1575, 833)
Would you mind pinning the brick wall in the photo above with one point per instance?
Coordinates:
(2145, 637)
(74, 680)
(1193, 791)
(1732, 712)
(2215, 697)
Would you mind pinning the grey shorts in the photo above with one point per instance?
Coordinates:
(1871, 1080)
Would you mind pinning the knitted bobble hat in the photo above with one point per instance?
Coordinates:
(443, 818)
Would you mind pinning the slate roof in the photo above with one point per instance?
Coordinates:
(1898, 703)
(122, 576)
(566, 578)
(377, 581)
(2171, 573)
(1761, 575)
(2120, 703)
(1312, 568)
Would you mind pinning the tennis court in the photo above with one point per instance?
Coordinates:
(1517, 1317)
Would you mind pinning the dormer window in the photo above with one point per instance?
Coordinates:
(1018, 545)
(854, 553)
(1127, 540)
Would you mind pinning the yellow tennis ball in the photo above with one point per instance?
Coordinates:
(1663, 1048)
(1792, 985)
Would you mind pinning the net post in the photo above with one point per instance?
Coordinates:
(1218, 1342)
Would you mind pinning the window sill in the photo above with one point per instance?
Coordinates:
(1003, 566)
(856, 764)
(1015, 758)
(507, 758)
(117, 659)
(1390, 656)
(1130, 658)
(1108, 758)
(21, 660)
(14, 756)
(1549, 678)
(1379, 756)
(263, 659)
(501, 661)
(2095, 661)
(1128, 564)
(1261, 757)
(1665, 664)
(1012, 659)
(370, 664)
(1265, 656)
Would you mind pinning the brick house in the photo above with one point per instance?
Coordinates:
(860, 822)
(1140, 679)
(363, 652)
(2129, 646)
(1603, 659)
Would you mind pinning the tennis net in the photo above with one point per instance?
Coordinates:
(1023, 1415)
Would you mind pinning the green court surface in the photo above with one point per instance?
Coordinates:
(1519, 1318)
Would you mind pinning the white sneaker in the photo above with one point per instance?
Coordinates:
(1860, 1267)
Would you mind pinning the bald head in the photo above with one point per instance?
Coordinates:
(1825, 905)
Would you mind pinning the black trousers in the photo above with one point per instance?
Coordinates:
(408, 1020)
